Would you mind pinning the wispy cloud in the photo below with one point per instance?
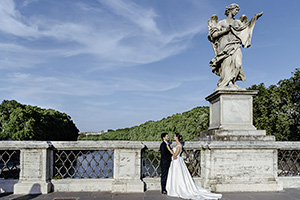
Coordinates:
(28, 2)
(12, 22)
(127, 34)
(143, 17)
(26, 84)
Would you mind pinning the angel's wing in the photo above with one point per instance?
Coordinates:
(212, 27)
(212, 22)
(243, 19)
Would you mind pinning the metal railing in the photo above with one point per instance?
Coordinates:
(151, 161)
(83, 164)
(9, 164)
(192, 159)
(288, 159)
(289, 162)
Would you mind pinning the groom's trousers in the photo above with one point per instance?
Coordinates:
(164, 174)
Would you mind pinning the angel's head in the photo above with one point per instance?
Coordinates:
(232, 8)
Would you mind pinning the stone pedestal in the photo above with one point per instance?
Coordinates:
(240, 166)
(127, 177)
(231, 110)
(35, 170)
(239, 157)
(231, 117)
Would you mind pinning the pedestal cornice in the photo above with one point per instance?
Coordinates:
(218, 93)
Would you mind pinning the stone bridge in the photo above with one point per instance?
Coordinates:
(30, 167)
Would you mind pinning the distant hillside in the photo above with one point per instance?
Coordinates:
(189, 124)
(276, 109)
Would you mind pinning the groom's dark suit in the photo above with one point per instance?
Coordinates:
(165, 161)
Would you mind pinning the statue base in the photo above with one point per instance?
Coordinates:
(231, 110)
(231, 117)
(240, 166)
(234, 135)
(238, 157)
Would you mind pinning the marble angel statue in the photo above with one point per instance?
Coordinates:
(227, 36)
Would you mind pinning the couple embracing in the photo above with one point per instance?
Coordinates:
(176, 180)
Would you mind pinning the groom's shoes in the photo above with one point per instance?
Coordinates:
(164, 192)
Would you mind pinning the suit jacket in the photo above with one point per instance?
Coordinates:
(165, 154)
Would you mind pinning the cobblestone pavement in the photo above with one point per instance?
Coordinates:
(288, 194)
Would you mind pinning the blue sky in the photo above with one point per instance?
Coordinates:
(113, 64)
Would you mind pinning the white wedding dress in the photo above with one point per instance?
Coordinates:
(180, 182)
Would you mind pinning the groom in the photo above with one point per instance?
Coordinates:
(165, 161)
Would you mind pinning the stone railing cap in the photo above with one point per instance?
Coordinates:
(295, 145)
(15, 145)
(73, 145)
(187, 145)
(103, 144)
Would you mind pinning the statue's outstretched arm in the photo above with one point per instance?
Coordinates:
(259, 15)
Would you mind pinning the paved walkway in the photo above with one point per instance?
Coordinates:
(288, 194)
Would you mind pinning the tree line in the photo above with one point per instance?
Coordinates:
(189, 124)
(26, 122)
(276, 109)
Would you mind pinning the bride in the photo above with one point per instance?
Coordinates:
(180, 182)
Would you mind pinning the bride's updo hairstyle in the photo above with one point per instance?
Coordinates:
(179, 136)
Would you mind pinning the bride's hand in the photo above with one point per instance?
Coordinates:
(174, 157)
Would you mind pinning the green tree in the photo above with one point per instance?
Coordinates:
(277, 108)
(290, 103)
(25, 122)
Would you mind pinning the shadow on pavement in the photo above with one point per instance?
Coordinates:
(5, 194)
(27, 197)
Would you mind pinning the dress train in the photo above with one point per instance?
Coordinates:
(180, 182)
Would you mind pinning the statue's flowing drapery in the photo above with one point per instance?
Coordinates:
(244, 33)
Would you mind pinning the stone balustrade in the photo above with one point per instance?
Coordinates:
(37, 162)
(289, 164)
(119, 166)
